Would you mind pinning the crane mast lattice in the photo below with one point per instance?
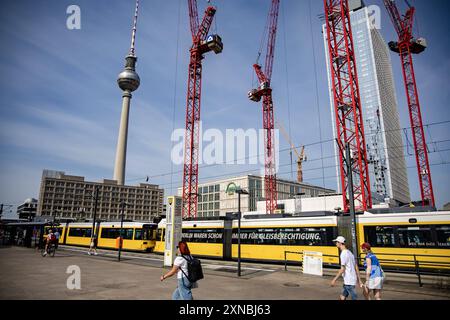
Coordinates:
(202, 43)
(264, 92)
(406, 47)
(347, 104)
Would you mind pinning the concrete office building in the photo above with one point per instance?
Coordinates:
(385, 150)
(27, 210)
(215, 201)
(64, 196)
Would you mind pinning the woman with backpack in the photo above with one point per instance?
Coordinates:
(374, 273)
(180, 267)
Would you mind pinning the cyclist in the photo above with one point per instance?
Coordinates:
(51, 238)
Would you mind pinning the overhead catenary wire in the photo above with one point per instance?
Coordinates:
(313, 160)
(284, 150)
(408, 167)
(433, 142)
(252, 171)
(249, 172)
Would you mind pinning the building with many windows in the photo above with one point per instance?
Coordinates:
(383, 135)
(214, 200)
(65, 196)
(28, 209)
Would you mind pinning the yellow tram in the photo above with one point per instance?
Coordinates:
(400, 240)
(137, 236)
(404, 239)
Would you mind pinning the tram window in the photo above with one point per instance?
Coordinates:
(443, 236)
(138, 234)
(148, 234)
(113, 233)
(380, 236)
(128, 234)
(80, 232)
(416, 237)
(159, 234)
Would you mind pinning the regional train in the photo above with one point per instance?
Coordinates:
(400, 240)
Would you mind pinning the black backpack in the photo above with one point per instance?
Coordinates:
(195, 271)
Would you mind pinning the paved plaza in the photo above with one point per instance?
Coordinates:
(25, 274)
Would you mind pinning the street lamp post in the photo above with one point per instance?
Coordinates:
(348, 160)
(122, 206)
(95, 198)
(239, 191)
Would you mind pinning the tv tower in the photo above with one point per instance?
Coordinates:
(128, 81)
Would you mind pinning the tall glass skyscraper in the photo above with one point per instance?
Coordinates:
(383, 134)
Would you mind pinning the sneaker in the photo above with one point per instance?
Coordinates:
(95, 253)
(45, 253)
(89, 253)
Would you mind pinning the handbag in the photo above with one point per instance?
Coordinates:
(383, 274)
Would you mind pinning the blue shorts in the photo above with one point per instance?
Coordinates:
(349, 290)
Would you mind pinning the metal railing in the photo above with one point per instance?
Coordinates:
(415, 265)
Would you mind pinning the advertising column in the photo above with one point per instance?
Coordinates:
(173, 229)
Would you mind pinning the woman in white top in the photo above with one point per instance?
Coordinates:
(180, 267)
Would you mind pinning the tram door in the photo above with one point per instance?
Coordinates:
(227, 235)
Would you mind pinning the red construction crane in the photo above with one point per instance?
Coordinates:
(264, 91)
(202, 43)
(405, 47)
(347, 104)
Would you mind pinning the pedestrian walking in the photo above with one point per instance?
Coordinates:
(349, 271)
(57, 235)
(374, 274)
(180, 267)
(93, 245)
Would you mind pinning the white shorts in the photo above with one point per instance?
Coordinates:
(375, 283)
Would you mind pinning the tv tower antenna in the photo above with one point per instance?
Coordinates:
(133, 33)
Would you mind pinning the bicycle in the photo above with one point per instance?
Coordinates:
(51, 249)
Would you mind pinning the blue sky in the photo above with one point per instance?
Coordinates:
(60, 105)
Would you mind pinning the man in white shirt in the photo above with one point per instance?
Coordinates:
(349, 271)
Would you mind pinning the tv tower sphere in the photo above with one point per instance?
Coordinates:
(128, 79)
